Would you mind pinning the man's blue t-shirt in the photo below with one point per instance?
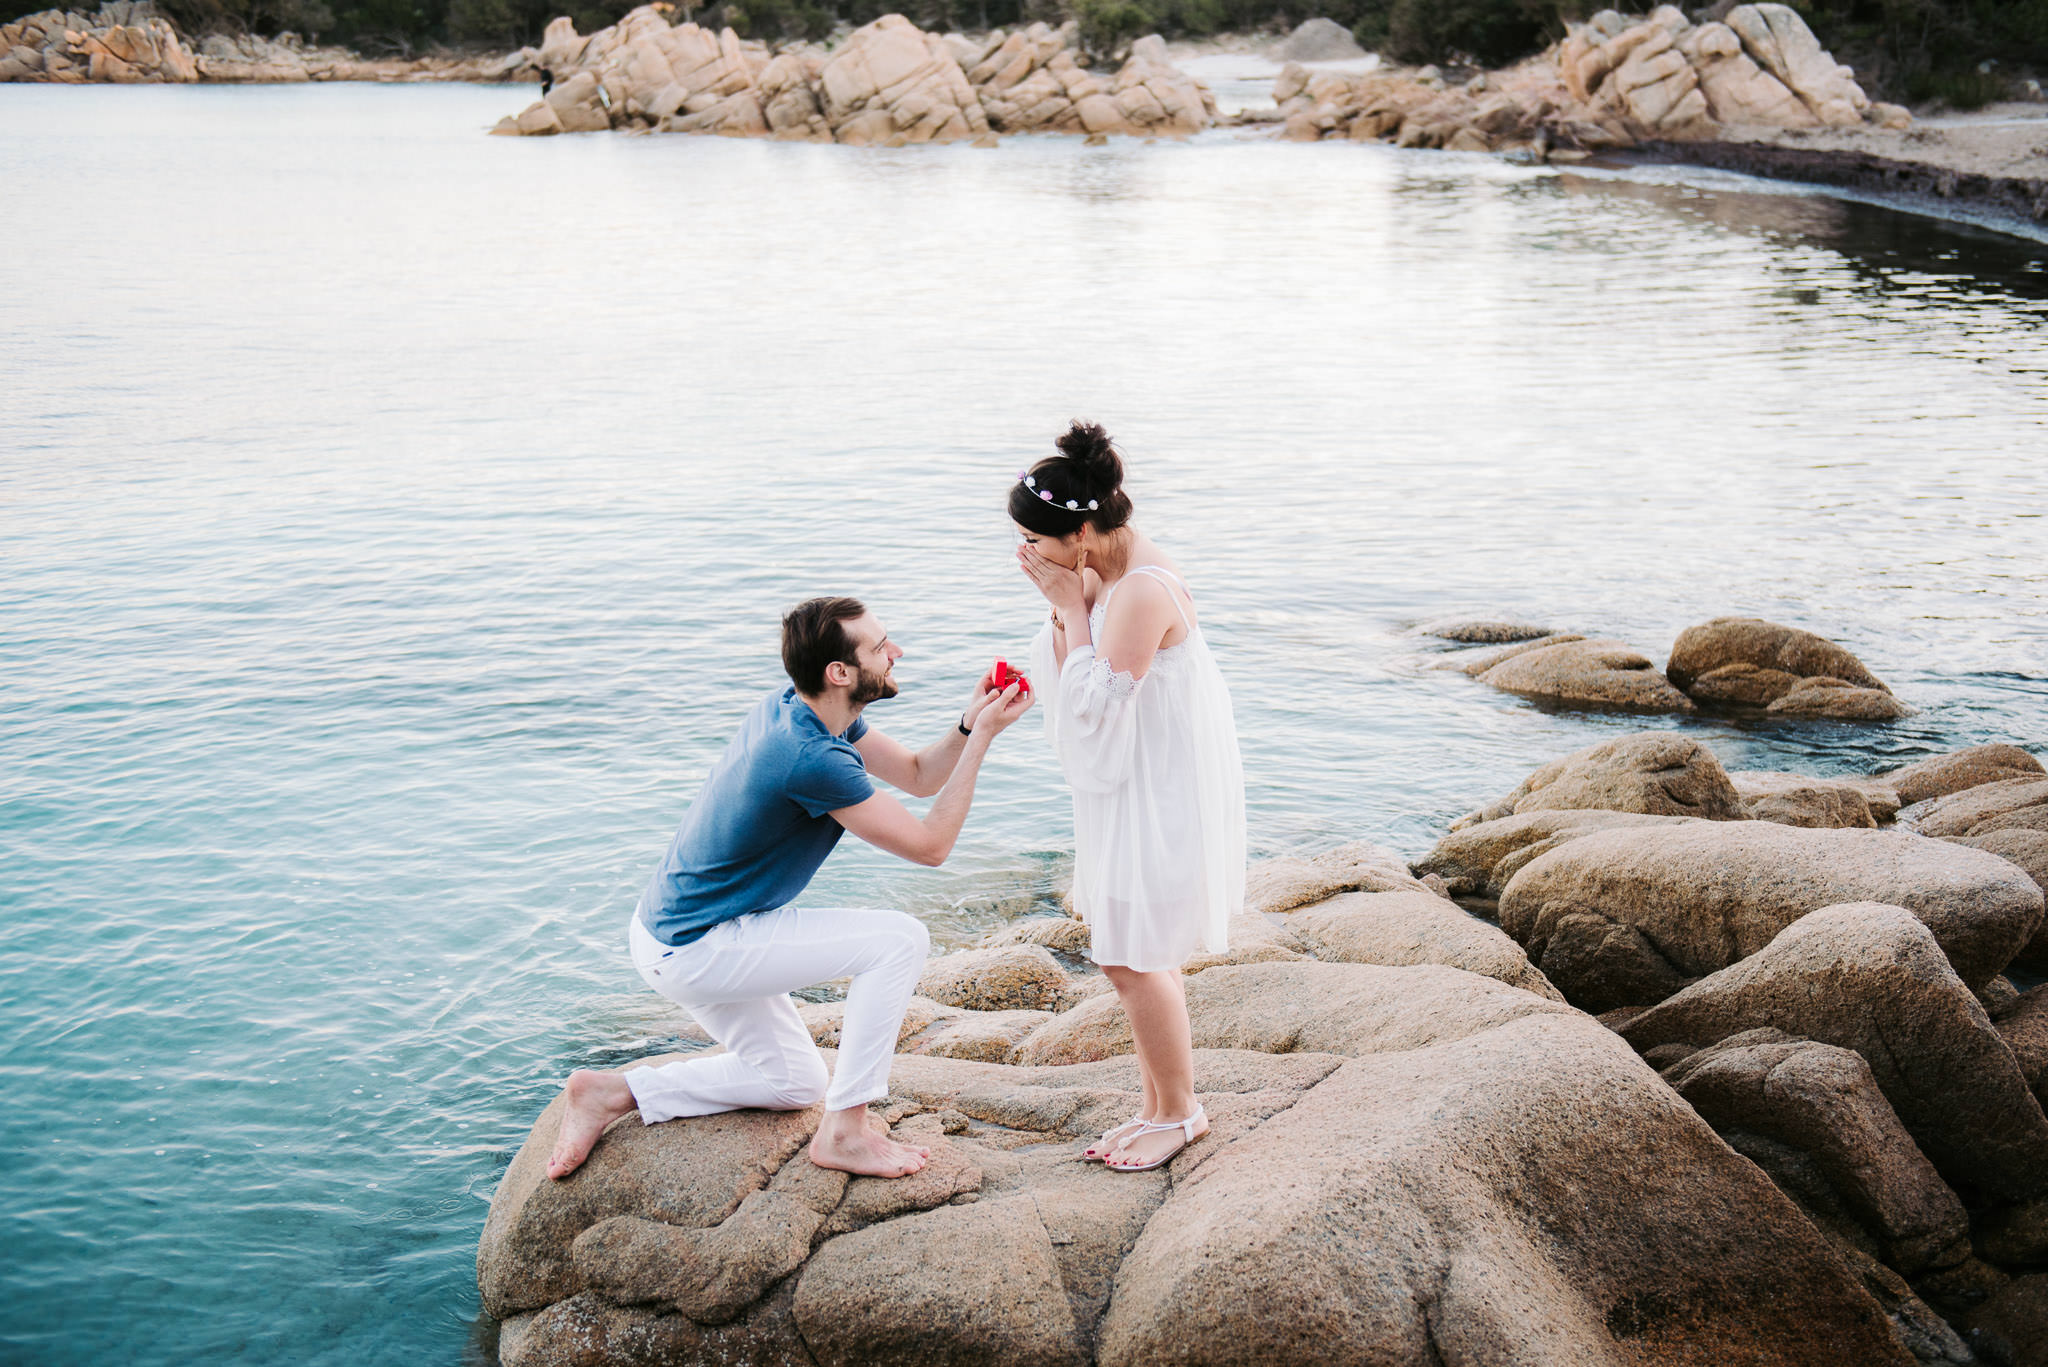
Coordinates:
(758, 831)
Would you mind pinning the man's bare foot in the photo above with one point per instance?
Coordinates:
(877, 1125)
(595, 1101)
(847, 1142)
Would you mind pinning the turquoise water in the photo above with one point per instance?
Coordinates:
(394, 522)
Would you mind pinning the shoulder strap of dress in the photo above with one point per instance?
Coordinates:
(1153, 572)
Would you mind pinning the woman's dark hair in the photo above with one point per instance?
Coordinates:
(1087, 470)
(813, 636)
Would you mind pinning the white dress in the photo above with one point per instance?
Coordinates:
(1158, 794)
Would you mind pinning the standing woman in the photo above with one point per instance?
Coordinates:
(1140, 720)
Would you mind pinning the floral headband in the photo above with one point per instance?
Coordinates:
(1025, 478)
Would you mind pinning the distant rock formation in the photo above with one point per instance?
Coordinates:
(888, 83)
(122, 42)
(127, 42)
(1614, 81)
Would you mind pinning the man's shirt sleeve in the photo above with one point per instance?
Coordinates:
(828, 777)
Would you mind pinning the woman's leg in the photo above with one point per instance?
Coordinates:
(1158, 1008)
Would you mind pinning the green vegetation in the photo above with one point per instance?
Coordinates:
(1924, 50)
(1916, 50)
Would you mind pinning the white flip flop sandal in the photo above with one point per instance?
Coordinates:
(1111, 1137)
(1187, 1137)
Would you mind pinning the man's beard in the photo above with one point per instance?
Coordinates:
(871, 688)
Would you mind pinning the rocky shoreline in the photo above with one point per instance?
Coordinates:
(1752, 92)
(1645, 1062)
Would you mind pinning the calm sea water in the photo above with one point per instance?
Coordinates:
(394, 522)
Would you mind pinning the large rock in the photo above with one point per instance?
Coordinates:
(120, 43)
(1318, 40)
(1665, 77)
(891, 80)
(1280, 1008)
(1807, 800)
(1289, 881)
(1413, 927)
(1033, 81)
(1835, 700)
(2024, 1028)
(1655, 773)
(1487, 1185)
(1599, 673)
(887, 83)
(2027, 848)
(1781, 43)
(1012, 978)
(1626, 917)
(1480, 859)
(1941, 775)
(1871, 978)
(1786, 670)
(1822, 1101)
(1464, 1206)
(1739, 93)
(2011, 1326)
(2013, 804)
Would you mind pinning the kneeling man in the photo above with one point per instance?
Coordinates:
(713, 931)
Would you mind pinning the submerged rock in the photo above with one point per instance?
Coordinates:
(1600, 673)
(1625, 917)
(1481, 630)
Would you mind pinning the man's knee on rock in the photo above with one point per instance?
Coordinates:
(917, 938)
(804, 1087)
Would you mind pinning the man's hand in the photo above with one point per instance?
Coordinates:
(984, 693)
(1061, 586)
(1001, 710)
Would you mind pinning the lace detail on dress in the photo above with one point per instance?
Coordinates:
(1113, 682)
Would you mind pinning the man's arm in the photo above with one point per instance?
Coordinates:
(920, 773)
(923, 772)
(885, 823)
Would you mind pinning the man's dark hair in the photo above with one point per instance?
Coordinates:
(813, 636)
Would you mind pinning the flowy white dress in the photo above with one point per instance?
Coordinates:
(1159, 843)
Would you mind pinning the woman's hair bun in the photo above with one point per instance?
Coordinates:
(1088, 446)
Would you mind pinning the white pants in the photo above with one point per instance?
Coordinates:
(735, 980)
